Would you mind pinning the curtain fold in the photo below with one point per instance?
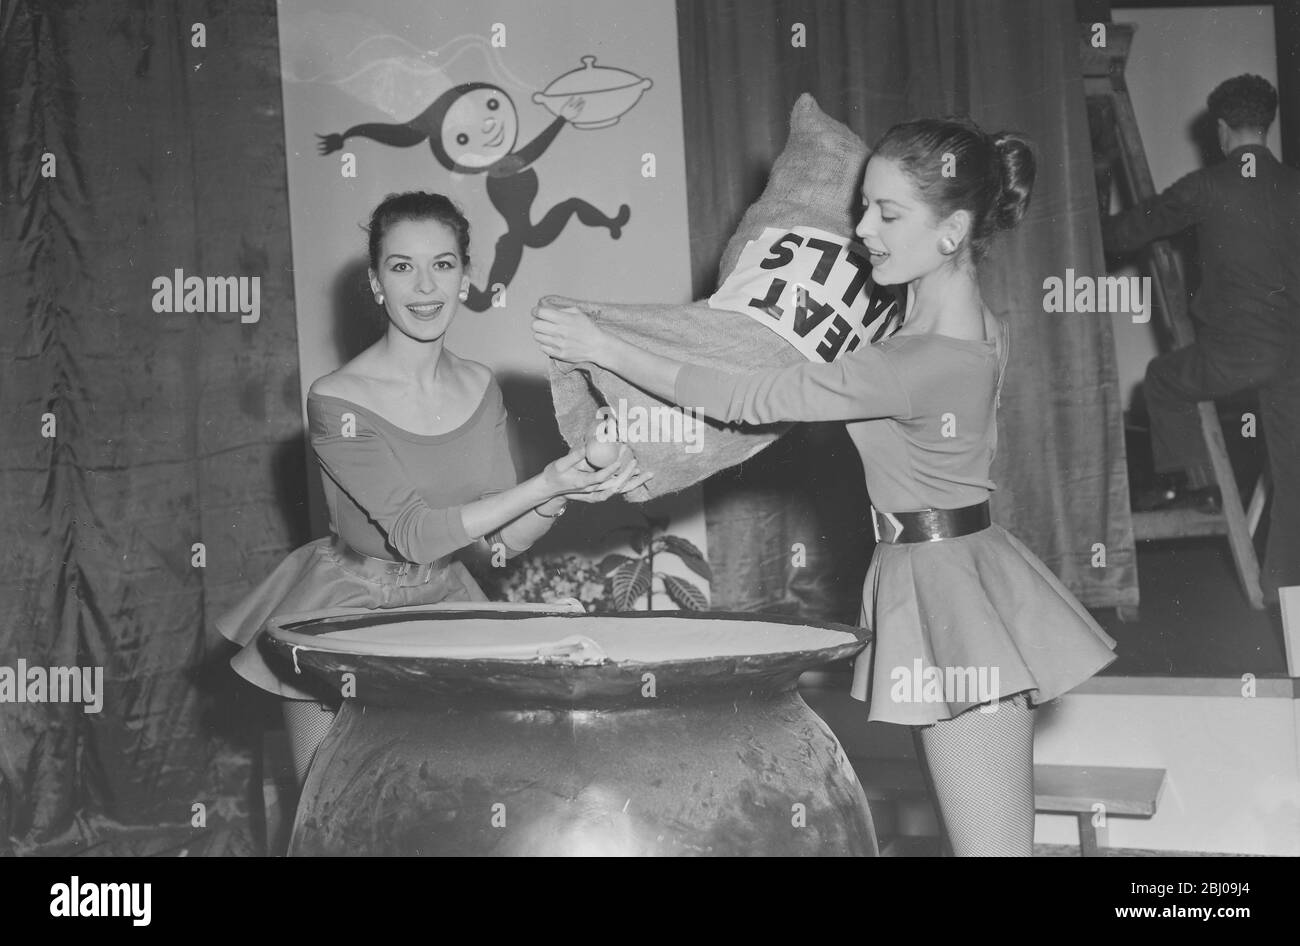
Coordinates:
(1061, 465)
(149, 455)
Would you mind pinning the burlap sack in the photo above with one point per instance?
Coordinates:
(814, 182)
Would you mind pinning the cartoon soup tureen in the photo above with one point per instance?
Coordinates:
(606, 93)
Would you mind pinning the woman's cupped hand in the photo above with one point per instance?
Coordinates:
(573, 477)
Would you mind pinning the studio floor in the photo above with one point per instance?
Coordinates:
(238, 841)
(929, 847)
(1193, 618)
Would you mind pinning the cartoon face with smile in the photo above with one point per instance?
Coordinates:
(480, 127)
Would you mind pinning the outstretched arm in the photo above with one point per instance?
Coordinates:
(860, 385)
(570, 335)
(355, 457)
(537, 147)
(519, 534)
(399, 136)
(1182, 205)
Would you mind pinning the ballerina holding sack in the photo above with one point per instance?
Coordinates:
(950, 597)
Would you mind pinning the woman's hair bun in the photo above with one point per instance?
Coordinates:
(994, 174)
(1015, 162)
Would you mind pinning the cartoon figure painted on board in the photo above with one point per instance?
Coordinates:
(473, 129)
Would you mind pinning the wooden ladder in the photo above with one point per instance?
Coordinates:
(1115, 134)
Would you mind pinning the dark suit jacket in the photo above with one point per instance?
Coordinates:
(1248, 233)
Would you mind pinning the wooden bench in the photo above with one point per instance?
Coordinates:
(1058, 789)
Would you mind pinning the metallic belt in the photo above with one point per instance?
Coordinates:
(929, 525)
(406, 573)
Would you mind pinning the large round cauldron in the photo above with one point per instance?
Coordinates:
(525, 733)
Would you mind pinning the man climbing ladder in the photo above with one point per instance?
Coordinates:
(1246, 211)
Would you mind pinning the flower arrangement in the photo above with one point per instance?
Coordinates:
(546, 579)
(617, 583)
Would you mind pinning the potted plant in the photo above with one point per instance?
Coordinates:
(631, 576)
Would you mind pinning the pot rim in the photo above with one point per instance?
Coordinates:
(287, 629)
(534, 681)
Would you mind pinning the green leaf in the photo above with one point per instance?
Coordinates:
(697, 565)
(611, 562)
(691, 556)
(684, 594)
(629, 582)
(680, 546)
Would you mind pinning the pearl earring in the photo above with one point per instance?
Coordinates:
(379, 298)
(463, 294)
(947, 247)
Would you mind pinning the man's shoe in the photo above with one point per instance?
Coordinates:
(1165, 490)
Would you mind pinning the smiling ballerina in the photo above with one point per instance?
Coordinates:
(946, 589)
(411, 442)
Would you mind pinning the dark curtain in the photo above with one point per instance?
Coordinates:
(1008, 64)
(170, 429)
